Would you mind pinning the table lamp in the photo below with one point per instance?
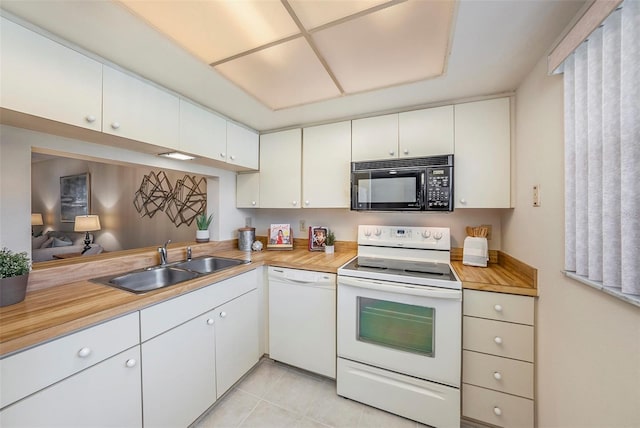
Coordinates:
(86, 223)
(36, 220)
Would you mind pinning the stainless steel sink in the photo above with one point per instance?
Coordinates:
(208, 264)
(153, 278)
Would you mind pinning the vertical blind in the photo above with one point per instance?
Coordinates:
(602, 153)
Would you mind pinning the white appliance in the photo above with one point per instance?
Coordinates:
(302, 319)
(399, 324)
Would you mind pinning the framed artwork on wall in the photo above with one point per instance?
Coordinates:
(317, 237)
(280, 237)
(74, 196)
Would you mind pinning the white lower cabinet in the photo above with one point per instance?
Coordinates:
(237, 339)
(104, 395)
(178, 376)
(498, 359)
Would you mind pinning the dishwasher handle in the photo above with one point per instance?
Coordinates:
(300, 278)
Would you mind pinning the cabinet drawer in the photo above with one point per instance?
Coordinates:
(498, 338)
(502, 374)
(30, 371)
(498, 306)
(166, 315)
(496, 408)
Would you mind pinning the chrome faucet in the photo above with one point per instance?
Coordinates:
(163, 253)
(188, 253)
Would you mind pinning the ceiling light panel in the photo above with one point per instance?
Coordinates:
(284, 75)
(313, 14)
(403, 43)
(213, 29)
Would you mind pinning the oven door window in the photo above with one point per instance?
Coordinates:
(396, 325)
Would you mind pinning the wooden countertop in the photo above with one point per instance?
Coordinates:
(60, 298)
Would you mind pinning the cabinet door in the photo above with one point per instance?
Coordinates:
(248, 190)
(43, 78)
(178, 375)
(105, 395)
(375, 138)
(242, 146)
(236, 339)
(427, 132)
(483, 154)
(281, 169)
(202, 133)
(326, 163)
(138, 110)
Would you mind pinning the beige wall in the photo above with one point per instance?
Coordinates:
(588, 343)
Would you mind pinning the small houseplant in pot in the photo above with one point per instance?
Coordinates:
(14, 276)
(329, 243)
(203, 222)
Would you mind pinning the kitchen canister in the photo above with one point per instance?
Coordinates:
(246, 236)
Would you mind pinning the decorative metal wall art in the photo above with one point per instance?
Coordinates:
(182, 202)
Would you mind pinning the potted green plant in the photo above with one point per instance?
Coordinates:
(329, 243)
(14, 276)
(203, 222)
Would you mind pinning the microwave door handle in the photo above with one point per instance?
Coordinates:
(424, 291)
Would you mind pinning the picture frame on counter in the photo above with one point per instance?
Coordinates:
(317, 237)
(280, 237)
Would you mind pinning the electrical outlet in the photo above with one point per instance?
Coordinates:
(536, 195)
(247, 221)
(488, 226)
(303, 226)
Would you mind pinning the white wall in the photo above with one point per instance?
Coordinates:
(588, 343)
(15, 150)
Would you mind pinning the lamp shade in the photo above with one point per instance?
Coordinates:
(36, 219)
(86, 223)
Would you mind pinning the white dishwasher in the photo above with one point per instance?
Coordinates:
(302, 319)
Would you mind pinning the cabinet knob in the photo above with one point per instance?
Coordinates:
(306, 203)
(497, 410)
(84, 352)
(131, 362)
(498, 308)
(497, 375)
(392, 152)
(115, 125)
(210, 321)
(90, 118)
(253, 203)
(222, 155)
(405, 151)
(463, 201)
(223, 314)
(498, 340)
(232, 157)
(294, 203)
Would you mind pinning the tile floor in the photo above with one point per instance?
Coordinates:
(279, 396)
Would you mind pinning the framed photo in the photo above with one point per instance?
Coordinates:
(317, 237)
(74, 197)
(280, 237)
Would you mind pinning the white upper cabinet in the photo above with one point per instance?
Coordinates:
(202, 133)
(427, 132)
(326, 157)
(43, 78)
(248, 190)
(375, 138)
(483, 154)
(138, 110)
(242, 146)
(281, 169)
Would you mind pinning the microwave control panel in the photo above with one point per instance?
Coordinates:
(439, 188)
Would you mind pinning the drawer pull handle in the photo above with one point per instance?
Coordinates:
(131, 362)
(84, 352)
(497, 410)
(498, 308)
(209, 321)
(498, 340)
(497, 375)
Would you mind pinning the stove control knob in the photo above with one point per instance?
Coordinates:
(438, 236)
(426, 234)
(378, 232)
(367, 233)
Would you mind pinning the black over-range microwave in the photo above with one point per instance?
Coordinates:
(411, 184)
